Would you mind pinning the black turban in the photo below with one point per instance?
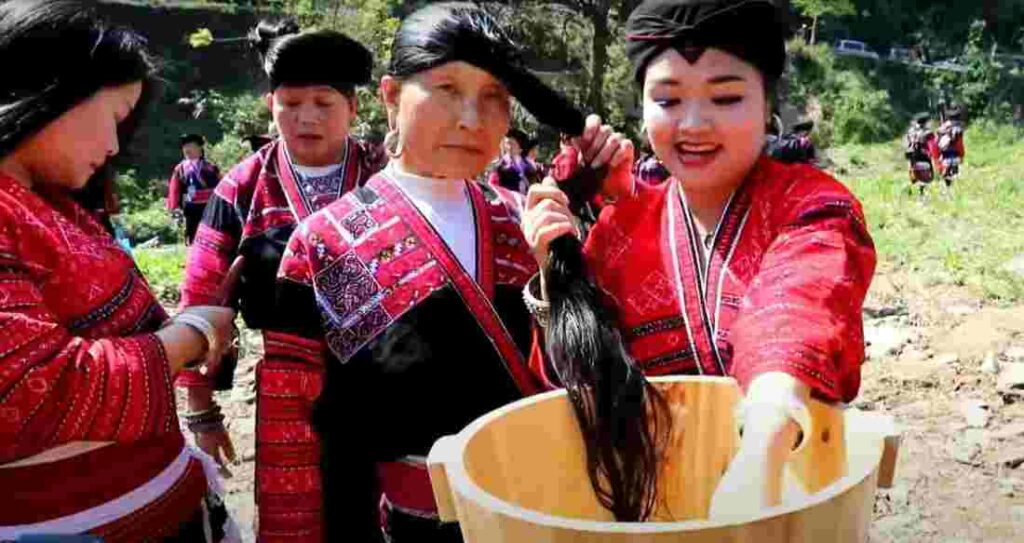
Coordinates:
(753, 30)
(322, 57)
(461, 31)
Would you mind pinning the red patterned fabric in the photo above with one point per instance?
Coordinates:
(79, 362)
(201, 181)
(255, 196)
(372, 263)
(789, 268)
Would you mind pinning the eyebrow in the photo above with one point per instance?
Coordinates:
(720, 79)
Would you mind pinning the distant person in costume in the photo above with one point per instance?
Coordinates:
(921, 151)
(796, 147)
(950, 142)
(192, 183)
(257, 206)
(738, 265)
(89, 436)
(514, 170)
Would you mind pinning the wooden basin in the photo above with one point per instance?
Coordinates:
(518, 475)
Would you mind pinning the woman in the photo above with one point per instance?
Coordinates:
(515, 171)
(257, 205)
(739, 265)
(376, 284)
(192, 183)
(89, 440)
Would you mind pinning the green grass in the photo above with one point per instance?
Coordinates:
(164, 268)
(965, 240)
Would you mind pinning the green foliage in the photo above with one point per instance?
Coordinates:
(200, 38)
(819, 8)
(227, 152)
(136, 194)
(163, 268)
(849, 106)
(152, 221)
(241, 114)
(966, 240)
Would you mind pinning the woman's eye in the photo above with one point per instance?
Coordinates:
(666, 102)
(324, 103)
(726, 100)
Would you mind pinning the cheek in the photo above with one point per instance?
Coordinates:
(743, 130)
(661, 127)
(423, 122)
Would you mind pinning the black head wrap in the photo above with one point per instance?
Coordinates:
(322, 57)
(461, 31)
(753, 30)
(191, 138)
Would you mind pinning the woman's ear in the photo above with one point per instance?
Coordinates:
(268, 99)
(390, 88)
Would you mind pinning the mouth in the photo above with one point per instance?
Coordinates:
(309, 137)
(463, 148)
(697, 154)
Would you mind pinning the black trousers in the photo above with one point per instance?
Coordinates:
(193, 216)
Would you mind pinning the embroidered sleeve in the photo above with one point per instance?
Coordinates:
(802, 314)
(56, 387)
(288, 481)
(174, 190)
(209, 257)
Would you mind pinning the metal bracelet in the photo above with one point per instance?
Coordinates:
(537, 307)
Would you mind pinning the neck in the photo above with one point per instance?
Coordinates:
(333, 157)
(403, 164)
(15, 170)
(707, 205)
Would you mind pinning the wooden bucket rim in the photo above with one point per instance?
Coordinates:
(460, 482)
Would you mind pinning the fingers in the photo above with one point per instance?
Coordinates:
(624, 153)
(545, 191)
(590, 128)
(592, 151)
(608, 150)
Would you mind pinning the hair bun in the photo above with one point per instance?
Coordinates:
(266, 33)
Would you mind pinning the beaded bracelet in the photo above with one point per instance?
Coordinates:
(204, 421)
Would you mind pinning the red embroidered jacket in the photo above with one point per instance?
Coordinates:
(782, 290)
(79, 362)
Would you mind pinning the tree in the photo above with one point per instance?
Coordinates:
(816, 9)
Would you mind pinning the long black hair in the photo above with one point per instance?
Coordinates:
(623, 419)
(58, 53)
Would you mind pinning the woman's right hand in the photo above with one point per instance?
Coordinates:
(546, 218)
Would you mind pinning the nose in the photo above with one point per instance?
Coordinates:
(308, 114)
(469, 114)
(694, 117)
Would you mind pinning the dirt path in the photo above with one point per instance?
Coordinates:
(933, 358)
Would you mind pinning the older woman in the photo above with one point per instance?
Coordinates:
(409, 291)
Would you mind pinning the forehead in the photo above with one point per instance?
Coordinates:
(305, 91)
(462, 72)
(671, 67)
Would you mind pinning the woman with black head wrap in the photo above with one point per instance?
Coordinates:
(738, 265)
(312, 80)
(410, 288)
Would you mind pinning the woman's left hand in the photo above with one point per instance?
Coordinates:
(753, 480)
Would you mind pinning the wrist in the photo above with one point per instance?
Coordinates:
(200, 398)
